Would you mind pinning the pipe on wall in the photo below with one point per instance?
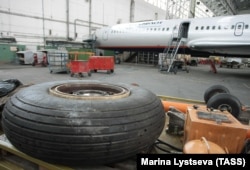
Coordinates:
(132, 11)
(90, 16)
(44, 40)
(67, 19)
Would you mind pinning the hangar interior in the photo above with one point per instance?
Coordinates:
(70, 24)
(61, 121)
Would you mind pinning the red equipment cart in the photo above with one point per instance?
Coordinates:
(77, 66)
(101, 63)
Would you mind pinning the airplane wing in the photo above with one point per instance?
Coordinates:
(222, 46)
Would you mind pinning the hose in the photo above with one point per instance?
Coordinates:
(172, 149)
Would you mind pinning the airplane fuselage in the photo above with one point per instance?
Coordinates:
(227, 35)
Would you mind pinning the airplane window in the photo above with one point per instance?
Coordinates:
(246, 26)
(219, 27)
(202, 27)
(159, 29)
(207, 27)
(163, 29)
(196, 28)
(239, 26)
(232, 27)
(167, 29)
(213, 27)
(155, 29)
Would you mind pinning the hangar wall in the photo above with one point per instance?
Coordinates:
(30, 20)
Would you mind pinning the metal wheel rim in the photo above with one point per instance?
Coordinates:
(89, 91)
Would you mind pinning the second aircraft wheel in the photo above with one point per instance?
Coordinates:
(211, 91)
(225, 102)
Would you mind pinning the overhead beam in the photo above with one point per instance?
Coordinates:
(220, 7)
(191, 13)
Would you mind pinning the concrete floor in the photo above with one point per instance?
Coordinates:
(190, 85)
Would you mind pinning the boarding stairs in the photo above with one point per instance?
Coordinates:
(170, 52)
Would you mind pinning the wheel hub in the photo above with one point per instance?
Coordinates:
(89, 91)
(225, 107)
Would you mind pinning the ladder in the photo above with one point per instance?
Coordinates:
(173, 47)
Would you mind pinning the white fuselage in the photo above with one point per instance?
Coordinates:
(227, 35)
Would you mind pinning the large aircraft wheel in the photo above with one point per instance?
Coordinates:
(225, 102)
(211, 91)
(83, 122)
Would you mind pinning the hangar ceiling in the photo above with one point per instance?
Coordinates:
(228, 7)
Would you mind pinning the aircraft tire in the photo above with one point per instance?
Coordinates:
(225, 102)
(48, 122)
(211, 91)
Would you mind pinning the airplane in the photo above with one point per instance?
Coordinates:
(203, 37)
